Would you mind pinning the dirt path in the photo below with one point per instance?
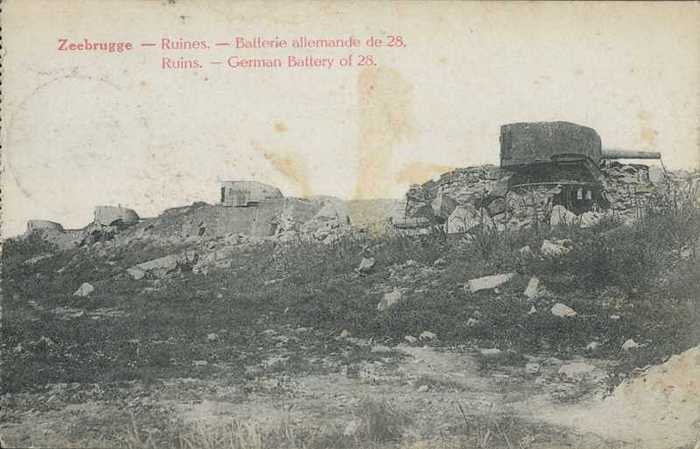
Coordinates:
(440, 390)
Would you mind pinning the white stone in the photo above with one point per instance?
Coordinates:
(366, 265)
(561, 216)
(410, 339)
(427, 335)
(489, 282)
(630, 344)
(462, 219)
(554, 248)
(390, 299)
(423, 389)
(578, 371)
(490, 352)
(562, 310)
(84, 290)
(533, 288)
(212, 337)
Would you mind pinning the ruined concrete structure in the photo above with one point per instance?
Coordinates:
(113, 215)
(542, 165)
(38, 225)
(247, 193)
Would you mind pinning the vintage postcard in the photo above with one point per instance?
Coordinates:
(350, 224)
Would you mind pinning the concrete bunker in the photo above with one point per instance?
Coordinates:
(247, 193)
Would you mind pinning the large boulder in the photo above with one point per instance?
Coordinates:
(443, 206)
(561, 216)
(463, 219)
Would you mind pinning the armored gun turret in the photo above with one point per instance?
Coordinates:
(560, 154)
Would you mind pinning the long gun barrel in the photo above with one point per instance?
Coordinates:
(627, 154)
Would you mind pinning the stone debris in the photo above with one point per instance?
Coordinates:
(532, 290)
(410, 339)
(212, 337)
(532, 310)
(85, 289)
(490, 352)
(532, 368)
(157, 267)
(463, 219)
(489, 282)
(561, 216)
(423, 389)
(366, 265)
(390, 299)
(471, 322)
(562, 310)
(630, 344)
(555, 248)
(345, 334)
(443, 206)
(352, 427)
(200, 363)
(38, 258)
(427, 335)
(578, 371)
(592, 346)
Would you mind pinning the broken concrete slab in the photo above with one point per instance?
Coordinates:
(562, 310)
(85, 289)
(488, 282)
(561, 216)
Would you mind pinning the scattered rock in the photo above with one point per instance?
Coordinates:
(345, 333)
(562, 310)
(390, 299)
(561, 216)
(136, 273)
(579, 371)
(423, 389)
(36, 259)
(84, 290)
(614, 317)
(490, 352)
(555, 248)
(158, 268)
(588, 219)
(533, 288)
(463, 219)
(410, 339)
(630, 344)
(532, 310)
(532, 368)
(471, 322)
(427, 335)
(440, 262)
(489, 282)
(592, 346)
(366, 265)
(212, 337)
(200, 363)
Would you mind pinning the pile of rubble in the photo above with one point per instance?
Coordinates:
(473, 197)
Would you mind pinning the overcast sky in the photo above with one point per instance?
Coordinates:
(81, 129)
